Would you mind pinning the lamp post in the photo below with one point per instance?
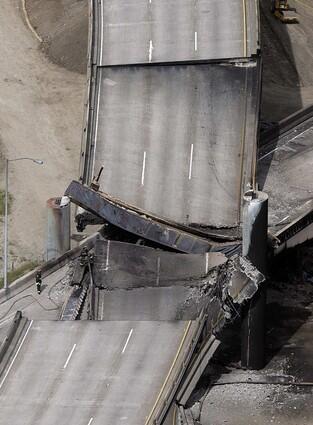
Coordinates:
(6, 202)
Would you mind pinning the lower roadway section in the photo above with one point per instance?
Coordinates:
(83, 373)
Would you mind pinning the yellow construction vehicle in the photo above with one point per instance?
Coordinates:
(279, 8)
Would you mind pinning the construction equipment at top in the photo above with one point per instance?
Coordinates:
(279, 9)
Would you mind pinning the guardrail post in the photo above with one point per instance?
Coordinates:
(254, 247)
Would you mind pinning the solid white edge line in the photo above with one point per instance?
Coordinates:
(102, 30)
(97, 123)
(127, 341)
(285, 145)
(190, 162)
(69, 356)
(30, 26)
(19, 348)
(143, 169)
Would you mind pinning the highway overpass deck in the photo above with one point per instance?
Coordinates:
(149, 31)
(78, 373)
(172, 113)
(177, 140)
(284, 173)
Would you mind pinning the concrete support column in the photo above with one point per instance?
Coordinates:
(59, 227)
(254, 247)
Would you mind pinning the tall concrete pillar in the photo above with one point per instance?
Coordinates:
(254, 247)
(59, 227)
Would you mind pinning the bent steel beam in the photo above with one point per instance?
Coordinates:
(138, 223)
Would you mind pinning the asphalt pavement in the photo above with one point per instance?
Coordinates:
(46, 306)
(150, 31)
(176, 140)
(78, 373)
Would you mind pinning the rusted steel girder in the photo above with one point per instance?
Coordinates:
(157, 230)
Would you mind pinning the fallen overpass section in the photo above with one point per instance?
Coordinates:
(172, 112)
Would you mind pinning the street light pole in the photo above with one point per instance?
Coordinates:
(6, 215)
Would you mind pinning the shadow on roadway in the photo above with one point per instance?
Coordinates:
(281, 82)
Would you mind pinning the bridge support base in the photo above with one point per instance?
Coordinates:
(254, 247)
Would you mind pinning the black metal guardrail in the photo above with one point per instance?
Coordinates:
(90, 97)
(160, 412)
(7, 342)
(10, 335)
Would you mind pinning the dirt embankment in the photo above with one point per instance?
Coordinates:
(41, 112)
(63, 27)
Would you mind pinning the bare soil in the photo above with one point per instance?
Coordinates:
(41, 116)
(63, 27)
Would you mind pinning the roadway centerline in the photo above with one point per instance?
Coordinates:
(107, 257)
(127, 341)
(69, 357)
(143, 168)
(190, 161)
(16, 354)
